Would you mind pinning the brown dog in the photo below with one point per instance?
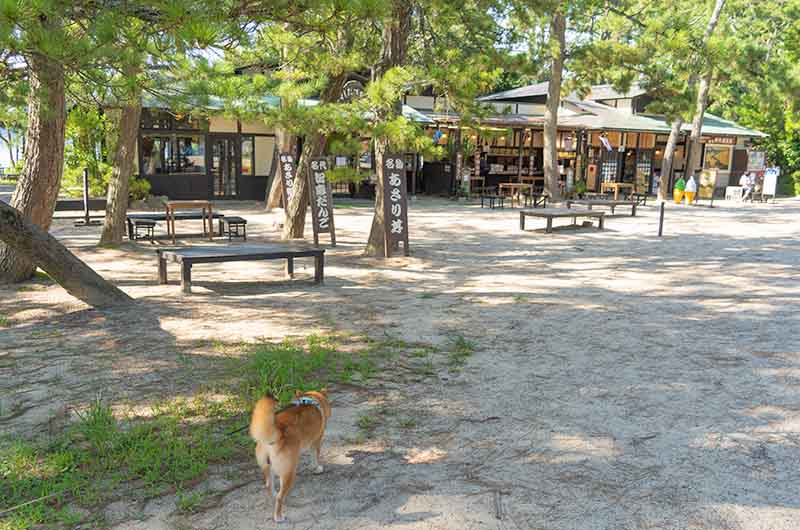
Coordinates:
(280, 438)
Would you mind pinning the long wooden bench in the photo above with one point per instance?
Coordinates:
(611, 203)
(190, 256)
(556, 213)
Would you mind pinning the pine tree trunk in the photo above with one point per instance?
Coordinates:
(393, 53)
(558, 28)
(693, 153)
(295, 219)
(693, 149)
(37, 189)
(669, 158)
(295, 223)
(376, 244)
(37, 246)
(118, 186)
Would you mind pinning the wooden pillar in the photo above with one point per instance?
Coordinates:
(519, 153)
(459, 160)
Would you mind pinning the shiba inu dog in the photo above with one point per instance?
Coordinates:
(281, 436)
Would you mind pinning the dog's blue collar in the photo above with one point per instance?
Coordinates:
(306, 400)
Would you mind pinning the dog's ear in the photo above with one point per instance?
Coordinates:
(324, 392)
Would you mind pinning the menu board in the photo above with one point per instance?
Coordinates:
(287, 177)
(395, 203)
(770, 186)
(321, 200)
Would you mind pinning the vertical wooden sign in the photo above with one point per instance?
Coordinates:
(321, 200)
(395, 203)
(287, 177)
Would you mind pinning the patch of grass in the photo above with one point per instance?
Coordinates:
(520, 299)
(190, 502)
(42, 276)
(8, 182)
(459, 350)
(4, 322)
(427, 295)
(407, 423)
(88, 464)
(103, 457)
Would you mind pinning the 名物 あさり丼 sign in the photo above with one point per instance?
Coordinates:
(287, 177)
(321, 199)
(395, 203)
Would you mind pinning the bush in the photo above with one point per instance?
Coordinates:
(138, 189)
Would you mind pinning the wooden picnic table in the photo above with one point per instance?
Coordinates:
(589, 203)
(615, 187)
(515, 189)
(554, 213)
(179, 216)
(205, 206)
(189, 256)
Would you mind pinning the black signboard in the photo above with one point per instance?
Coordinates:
(321, 200)
(395, 203)
(287, 177)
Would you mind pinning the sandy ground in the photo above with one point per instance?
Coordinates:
(620, 381)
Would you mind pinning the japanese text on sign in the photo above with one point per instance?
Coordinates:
(287, 171)
(320, 193)
(395, 202)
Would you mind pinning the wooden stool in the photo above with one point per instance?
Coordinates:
(146, 225)
(232, 226)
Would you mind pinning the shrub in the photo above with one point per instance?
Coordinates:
(138, 189)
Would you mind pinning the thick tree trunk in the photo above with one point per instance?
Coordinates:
(376, 244)
(284, 142)
(295, 223)
(393, 53)
(669, 158)
(693, 149)
(117, 203)
(39, 247)
(693, 153)
(37, 190)
(558, 28)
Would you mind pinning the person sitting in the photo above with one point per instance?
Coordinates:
(746, 181)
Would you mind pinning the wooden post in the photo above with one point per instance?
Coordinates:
(661, 219)
(290, 267)
(86, 195)
(162, 269)
(519, 153)
(319, 268)
(186, 277)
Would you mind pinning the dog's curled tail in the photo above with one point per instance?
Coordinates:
(262, 423)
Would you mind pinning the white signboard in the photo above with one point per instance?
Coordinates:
(771, 181)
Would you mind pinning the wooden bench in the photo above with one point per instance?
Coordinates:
(492, 200)
(589, 203)
(187, 257)
(554, 213)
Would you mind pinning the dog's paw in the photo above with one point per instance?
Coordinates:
(318, 470)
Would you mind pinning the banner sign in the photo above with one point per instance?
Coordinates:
(321, 200)
(770, 186)
(287, 177)
(395, 203)
(723, 140)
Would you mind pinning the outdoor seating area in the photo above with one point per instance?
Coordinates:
(608, 203)
(143, 225)
(190, 256)
(549, 214)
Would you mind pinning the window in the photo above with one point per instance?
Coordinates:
(191, 154)
(173, 154)
(156, 119)
(718, 158)
(264, 149)
(247, 155)
(156, 152)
